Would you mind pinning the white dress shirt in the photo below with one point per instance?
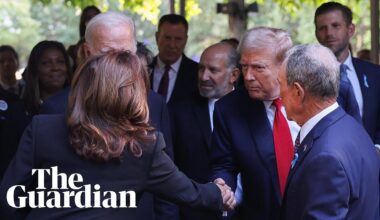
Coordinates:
(271, 110)
(309, 125)
(211, 106)
(159, 71)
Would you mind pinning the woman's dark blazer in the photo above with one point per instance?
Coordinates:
(45, 144)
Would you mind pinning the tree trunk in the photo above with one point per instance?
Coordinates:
(238, 22)
(375, 31)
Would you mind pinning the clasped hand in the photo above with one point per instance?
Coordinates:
(228, 196)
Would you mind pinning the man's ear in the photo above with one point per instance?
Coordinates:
(299, 92)
(156, 35)
(86, 50)
(235, 75)
(351, 30)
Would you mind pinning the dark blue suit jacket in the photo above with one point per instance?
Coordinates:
(45, 144)
(159, 118)
(336, 175)
(242, 141)
(369, 79)
(191, 131)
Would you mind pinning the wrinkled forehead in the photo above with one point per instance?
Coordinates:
(257, 54)
(113, 39)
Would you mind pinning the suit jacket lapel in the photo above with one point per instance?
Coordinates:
(151, 69)
(180, 80)
(315, 133)
(358, 65)
(262, 135)
(203, 118)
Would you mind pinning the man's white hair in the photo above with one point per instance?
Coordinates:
(110, 20)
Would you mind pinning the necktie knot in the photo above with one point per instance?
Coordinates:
(278, 104)
(167, 68)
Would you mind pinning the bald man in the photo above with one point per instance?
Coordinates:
(192, 118)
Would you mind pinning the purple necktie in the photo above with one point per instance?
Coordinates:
(164, 83)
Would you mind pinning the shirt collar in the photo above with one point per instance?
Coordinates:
(348, 62)
(174, 66)
(212, 101)
(306, 128)
(268, 104)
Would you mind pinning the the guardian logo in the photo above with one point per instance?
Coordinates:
(66, 190)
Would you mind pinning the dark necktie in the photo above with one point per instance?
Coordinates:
(346, 98)
(283, 145)
(297, 145)
(164, 83)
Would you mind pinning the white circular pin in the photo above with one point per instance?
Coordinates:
(3, 105)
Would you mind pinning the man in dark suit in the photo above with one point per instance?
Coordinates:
(173, 76)
(192, 118)
(334, 29)
(105, 32)
(246, 127)
(335, 172)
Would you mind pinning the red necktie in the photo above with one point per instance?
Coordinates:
(283, 145)
(164, 83)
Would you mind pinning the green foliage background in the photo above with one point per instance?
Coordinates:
(26, 22)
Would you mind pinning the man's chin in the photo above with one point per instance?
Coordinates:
(207, 94)
(255, 95)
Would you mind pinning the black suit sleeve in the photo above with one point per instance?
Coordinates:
(168, 182)
(165, 129)
(18, 173)
(163, 209)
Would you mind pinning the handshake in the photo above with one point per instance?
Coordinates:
(228, 196)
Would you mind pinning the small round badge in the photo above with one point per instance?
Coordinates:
(3, 105)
